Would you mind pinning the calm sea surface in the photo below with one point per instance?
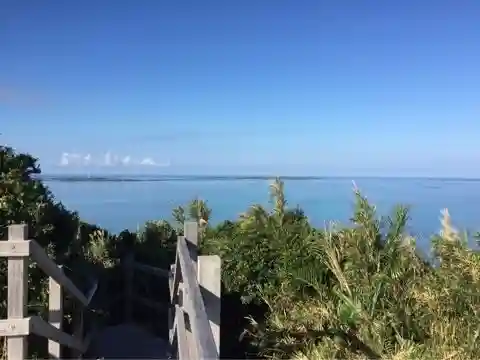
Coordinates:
(120, 205)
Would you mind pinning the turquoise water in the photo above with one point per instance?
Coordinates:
(119, 205)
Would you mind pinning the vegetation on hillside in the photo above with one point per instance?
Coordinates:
(356, 291)
(68, 241)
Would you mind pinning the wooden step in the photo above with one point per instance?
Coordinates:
(127, 341)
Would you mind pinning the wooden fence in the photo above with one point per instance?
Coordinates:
(195, 297)
(194, 308)
(20, 250)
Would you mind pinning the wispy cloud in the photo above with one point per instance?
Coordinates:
(126, 160)
(70, 159)
(64, 160)
(107, 159)
(87, 159)
(148, 161)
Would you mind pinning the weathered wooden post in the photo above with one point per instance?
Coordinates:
(208, 270)
(55, 315)
(128, 261)
(190, 230)
(17, 298)
(209, 279)
(195, 289)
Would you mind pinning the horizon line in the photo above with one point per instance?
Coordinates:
(153, 177)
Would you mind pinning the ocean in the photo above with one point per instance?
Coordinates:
(118, 205)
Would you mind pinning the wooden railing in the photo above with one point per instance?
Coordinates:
(194, 307)
(19, 250)
(195, 291)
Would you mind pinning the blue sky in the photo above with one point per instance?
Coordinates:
(286, 87)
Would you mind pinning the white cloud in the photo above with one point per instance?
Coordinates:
(148, 162)
(87, 159)
(126, 160)
(64, 161)
(108, 159)
(69, 159)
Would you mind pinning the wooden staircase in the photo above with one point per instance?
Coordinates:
(193, 310)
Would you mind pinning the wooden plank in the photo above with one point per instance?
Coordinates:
(189, 334)
(176, 292)
(52, 270)
(191, 238)
(183, 349)
(206, 347)
(172, 332)
(42, 328)
(91, 293)
(173, 314)
(177, 277)
(15, 248)
(172, 339)
(209, 278)
(171, 309)
(55, 315)
(151, 270)
(171, 276)
(15, 327)
(17, 297)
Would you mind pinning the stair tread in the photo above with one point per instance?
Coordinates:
(128, 341)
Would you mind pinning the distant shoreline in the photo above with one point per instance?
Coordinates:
(160, 178)
(152, 178)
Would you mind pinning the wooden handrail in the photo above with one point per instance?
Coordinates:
(27, 248)
(180, 328)
(18, 248)
(51, 269)
(37, 325)
(194, 283)
(206, 348)
(194, 311)
(91, 293)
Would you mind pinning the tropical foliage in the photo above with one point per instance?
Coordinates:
(356, 291)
